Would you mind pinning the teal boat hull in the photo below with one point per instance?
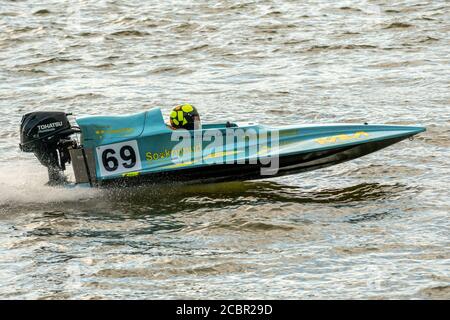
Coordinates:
(141, 148)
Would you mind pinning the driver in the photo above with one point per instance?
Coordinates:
(185, 116)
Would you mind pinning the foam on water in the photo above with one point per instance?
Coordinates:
(24, 183)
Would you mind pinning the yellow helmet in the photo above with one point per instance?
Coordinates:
(185, 116)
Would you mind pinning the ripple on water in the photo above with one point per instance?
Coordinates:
(398, 25)
(42, 12)
(129, 33)
(438, 292)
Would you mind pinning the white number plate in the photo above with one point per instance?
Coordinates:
(118, 158)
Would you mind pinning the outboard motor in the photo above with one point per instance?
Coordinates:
(47, 135)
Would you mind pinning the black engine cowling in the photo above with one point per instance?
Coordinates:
(47, 135)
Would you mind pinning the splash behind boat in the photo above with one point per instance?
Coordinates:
(141, 148)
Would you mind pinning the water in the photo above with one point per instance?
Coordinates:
(376, 227)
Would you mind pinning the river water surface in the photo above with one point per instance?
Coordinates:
(376, 227)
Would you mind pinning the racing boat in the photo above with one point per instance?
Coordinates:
(140, 148)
